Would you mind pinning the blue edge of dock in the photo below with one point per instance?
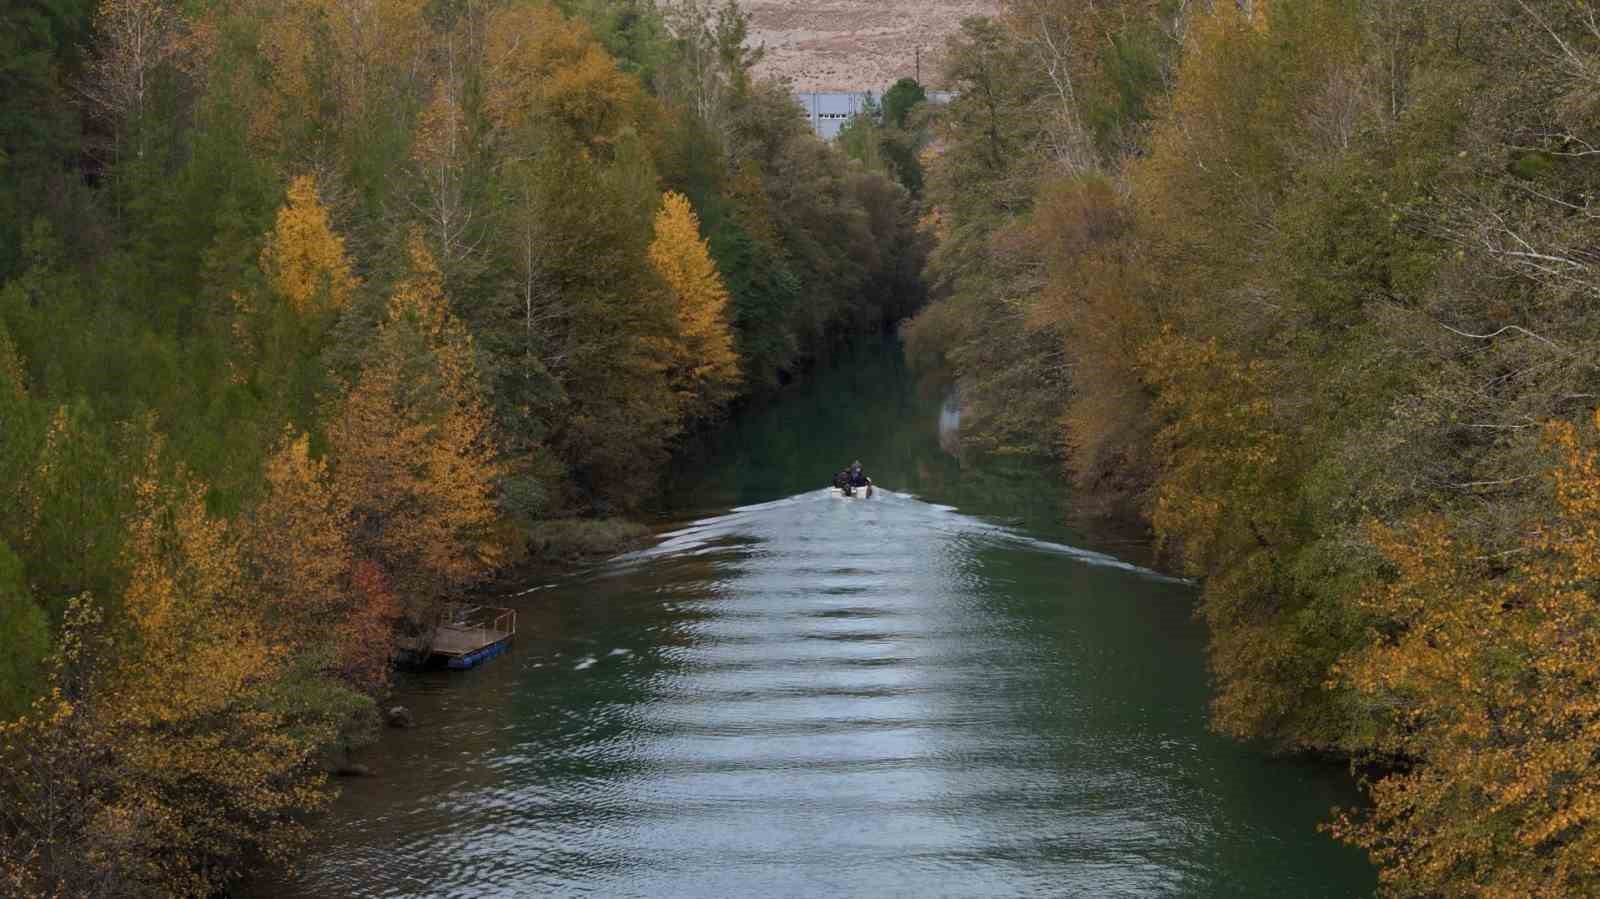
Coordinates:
(474, 659)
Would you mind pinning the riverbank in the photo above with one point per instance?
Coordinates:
(1348, 371)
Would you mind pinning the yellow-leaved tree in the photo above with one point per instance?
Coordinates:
(1223, 499)
(416, 460)
(704, 367)
(304, 258)
(1489, 667)
(541, 65)
(190, 738)
(297, 550)
(333, 70)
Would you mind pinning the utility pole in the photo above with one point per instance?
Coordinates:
(919, 64)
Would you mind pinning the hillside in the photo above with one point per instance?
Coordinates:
(855, 44)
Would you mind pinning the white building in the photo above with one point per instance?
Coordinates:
(828, 111)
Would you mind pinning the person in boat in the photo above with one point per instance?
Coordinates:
(841, 481)
(858, 478)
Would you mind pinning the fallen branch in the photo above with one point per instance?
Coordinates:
(1517, 328)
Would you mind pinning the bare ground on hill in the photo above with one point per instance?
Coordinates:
(856, 45)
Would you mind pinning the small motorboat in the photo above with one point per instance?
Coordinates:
(853, 492)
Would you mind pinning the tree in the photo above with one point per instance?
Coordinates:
(704, 366)
(39, 126)
(900, 99)
(20, 443)
(74, 499)
(25, 631)
(54, 756)
(633, 31)
(1490, 665)
(304, 258)
(297, 551)
(861, 138)
(439, 153)
(171, 749)
(417, 459)
(540, 66)
(137, 40)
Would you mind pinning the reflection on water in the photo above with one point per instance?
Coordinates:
(818, 696)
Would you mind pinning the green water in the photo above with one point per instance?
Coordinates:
(938, 692)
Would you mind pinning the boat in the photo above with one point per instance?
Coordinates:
(854, 492)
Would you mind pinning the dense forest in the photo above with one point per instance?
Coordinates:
(316, 313)
(1312, 286)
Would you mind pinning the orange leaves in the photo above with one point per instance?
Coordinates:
(1219, 453)
(335, 67)
(372, 41)
(288, 46)
(316, 594)
(296, 544)
(1492, 667)
(365, 639)
(305, 258)
(186, 598)
(420, 299)
(1082, 231)
(705, 365)
(537, 61)
(1226, 499)
(417, 463)
(163, 736)
(440, 129)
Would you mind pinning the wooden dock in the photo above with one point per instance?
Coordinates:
(466, 636)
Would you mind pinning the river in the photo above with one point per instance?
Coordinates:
(941, 691)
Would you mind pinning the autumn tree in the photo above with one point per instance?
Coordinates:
(283, 313)
(417, 459)
(304, 259)
(356, 421)
(297, 551)
(54, 757)
(1094, 298)
(541, 66)
(192, 739)
(337, 86)
(197, 680)
(704, 367)
(577, 340)
(1489, 665)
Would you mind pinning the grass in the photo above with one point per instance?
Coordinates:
(580, 541)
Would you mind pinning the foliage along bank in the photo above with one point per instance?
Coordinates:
(315, 313)
(1311, 285)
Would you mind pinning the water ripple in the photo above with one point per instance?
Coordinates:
(817, 696)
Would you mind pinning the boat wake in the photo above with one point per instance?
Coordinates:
(891, 520)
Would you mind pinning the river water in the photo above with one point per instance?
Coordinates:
(940, 691)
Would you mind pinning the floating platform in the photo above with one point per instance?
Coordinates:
(465, 637)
